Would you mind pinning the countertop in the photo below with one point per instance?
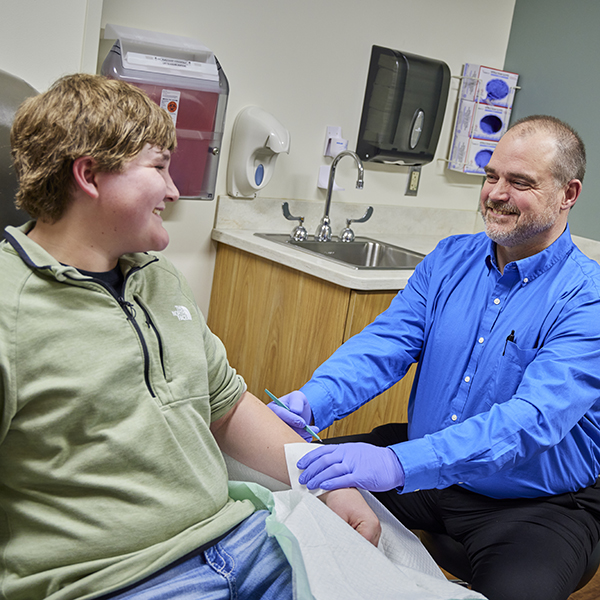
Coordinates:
(419, 230)
(413, 228)
(342, 275)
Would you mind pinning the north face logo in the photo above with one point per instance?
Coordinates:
(182, 313)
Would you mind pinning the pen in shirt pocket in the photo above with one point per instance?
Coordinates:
(510, 338)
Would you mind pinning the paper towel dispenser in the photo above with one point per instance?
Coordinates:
(403, 108)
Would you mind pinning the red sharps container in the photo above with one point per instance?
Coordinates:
(186, 79)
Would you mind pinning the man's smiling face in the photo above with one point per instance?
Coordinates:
(521, 200)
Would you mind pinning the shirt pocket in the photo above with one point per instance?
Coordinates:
(509, 372)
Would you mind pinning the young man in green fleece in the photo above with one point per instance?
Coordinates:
(115, 398)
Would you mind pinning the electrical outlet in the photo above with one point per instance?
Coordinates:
(414, 177)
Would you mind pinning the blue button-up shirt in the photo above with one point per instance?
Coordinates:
(506, 398)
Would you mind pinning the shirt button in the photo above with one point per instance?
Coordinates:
(467, 379)
(526, 280)
(480, 340)
(497, 301)
(454, 417)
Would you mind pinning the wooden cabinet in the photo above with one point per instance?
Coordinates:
(279, 325)
(391, 406)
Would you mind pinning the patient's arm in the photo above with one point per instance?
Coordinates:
(255, 436)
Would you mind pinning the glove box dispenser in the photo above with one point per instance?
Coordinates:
(403, 109)
(185, 78)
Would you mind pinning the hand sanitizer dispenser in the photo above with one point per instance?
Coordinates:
(257, 140)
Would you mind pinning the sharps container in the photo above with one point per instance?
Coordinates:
(185, 78)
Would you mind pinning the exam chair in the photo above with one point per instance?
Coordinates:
(12, 92)
(451, 556)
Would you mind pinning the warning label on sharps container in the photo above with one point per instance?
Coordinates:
(169, 100)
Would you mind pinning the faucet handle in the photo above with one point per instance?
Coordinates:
(323, 233)
(347, 234)
(299, 232)
(364, 218)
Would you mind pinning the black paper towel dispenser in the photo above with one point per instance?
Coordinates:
(403, 109)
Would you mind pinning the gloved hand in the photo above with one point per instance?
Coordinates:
(355, 464)
(299, 414)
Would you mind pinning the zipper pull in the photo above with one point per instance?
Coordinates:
(128, 307)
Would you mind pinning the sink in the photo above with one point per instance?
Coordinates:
(362, 253)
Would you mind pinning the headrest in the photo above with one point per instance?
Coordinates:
(12, 92)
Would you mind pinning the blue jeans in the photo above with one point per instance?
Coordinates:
(247, 563)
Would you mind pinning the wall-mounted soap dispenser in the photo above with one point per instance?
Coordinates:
(257, 140)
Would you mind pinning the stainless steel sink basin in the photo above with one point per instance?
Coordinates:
(362, 253)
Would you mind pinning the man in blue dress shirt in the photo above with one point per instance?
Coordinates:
(502, 448)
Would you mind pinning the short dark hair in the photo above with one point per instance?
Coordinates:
(80, 115)
(570, 161)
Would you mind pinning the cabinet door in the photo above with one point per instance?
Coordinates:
(277, 324)
(389, 407)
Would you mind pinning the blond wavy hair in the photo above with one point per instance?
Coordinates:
(80, 115)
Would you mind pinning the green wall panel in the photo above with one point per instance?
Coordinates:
(555, 48)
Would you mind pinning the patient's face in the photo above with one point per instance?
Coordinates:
(131, 201)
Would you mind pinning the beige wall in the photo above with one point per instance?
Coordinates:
(306, 62)
(303, 61)
(40, 41)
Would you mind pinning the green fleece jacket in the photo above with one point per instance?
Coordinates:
(108, 469)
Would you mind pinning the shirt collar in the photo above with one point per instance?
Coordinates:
(37, 258)
(533, 266)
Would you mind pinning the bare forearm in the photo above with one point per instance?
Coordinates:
(255, 436)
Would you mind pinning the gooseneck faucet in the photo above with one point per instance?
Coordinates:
(323, 233)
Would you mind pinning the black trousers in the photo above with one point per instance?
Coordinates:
(523, 549)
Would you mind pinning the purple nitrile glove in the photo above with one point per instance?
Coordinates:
(299, 414)
(355, 464)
